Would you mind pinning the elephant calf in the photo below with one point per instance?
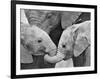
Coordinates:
(73, 42)
(36, 42)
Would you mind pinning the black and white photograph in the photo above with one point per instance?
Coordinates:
(54, 39)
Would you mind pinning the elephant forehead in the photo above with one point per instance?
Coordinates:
(66, 36)
(36, 34)
(34, 31)
(39, 32)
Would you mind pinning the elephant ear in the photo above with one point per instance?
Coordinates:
(80, 45)
(26, 56)
(81, 40)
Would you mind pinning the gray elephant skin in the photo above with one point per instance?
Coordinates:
(35, 41)
(73, 42)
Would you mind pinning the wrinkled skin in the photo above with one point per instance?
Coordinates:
(48, 19)
(44, 19)
(68, 18)
(74, 40)
(36, 41)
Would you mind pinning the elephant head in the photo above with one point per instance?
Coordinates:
(44, 19)
(74, 40)
(36, 41)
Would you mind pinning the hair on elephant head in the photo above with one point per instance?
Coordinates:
(36, 40)
(74, 40)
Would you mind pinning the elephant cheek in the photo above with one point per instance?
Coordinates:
(68, 55)
(41, 50)
(33, 49)
(67, 52)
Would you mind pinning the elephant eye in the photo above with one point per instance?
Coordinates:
(64, 46)
(49, 15)
(39, 40)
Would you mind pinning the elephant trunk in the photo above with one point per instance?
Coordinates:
(54, 59)
(50, 48)
(52, 52)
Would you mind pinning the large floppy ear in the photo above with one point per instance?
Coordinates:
(25, 55)
(81, 42)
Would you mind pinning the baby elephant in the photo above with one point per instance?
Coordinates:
(36, 42)
(74, 41)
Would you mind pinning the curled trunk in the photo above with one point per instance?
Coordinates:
(54, 59)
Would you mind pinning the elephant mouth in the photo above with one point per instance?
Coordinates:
(43, 52)
(40, 52)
